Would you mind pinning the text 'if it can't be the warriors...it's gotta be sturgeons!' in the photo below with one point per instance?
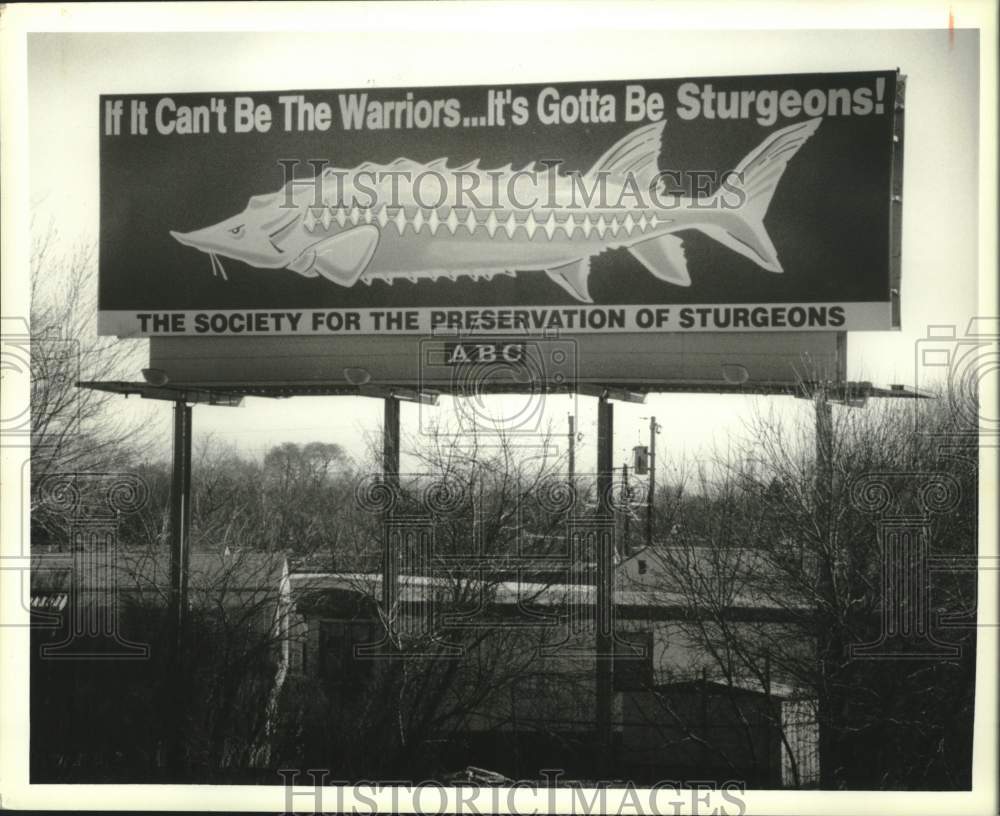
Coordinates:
(358, 111)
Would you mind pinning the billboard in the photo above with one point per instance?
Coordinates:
(723, 204)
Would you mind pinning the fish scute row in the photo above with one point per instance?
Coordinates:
(417, 220)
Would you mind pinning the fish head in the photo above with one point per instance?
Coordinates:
(257, 236)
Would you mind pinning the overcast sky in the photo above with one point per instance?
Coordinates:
(67, 72)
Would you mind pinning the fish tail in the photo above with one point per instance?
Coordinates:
(742, 201)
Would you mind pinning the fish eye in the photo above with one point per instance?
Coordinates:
(237, 230)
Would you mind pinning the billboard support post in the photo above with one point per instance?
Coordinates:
(829, 645)
(180, 523)
(604, 556)
(390, 441)
(180, 532)
(390, 478)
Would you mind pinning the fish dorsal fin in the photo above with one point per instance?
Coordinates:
(342, 258)
(573, 278)
(635, 154)
(759, 173)
(665, 258)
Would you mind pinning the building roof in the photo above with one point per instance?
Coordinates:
(746, 685)
(138, 570)
(739, 576)
(422, 588)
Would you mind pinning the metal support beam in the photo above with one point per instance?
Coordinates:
(422, 397)
(229, 394)
(610, 392)
(180, 525)
(605, 452)
(390, 441)
(180, 534)
(829, 643)
(390, 477)
(604, 556)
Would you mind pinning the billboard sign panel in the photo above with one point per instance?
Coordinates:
(746, 204)
(485, 362)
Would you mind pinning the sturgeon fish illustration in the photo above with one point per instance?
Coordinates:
(363, 225)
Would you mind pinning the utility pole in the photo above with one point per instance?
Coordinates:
(627, 505)
(654, 429)
(571, 437)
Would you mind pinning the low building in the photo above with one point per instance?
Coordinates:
(522, 689)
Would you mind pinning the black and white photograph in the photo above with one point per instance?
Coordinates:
(551, 407)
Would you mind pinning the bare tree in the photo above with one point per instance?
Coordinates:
(450, 666)
(73, 429)
(304, 491)
(772, 532)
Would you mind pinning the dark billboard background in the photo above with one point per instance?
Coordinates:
(829, 218)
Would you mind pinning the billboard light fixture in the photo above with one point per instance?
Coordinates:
(155, 376)
(357, 376)
(734, 373)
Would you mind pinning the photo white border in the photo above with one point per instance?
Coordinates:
(590, 23)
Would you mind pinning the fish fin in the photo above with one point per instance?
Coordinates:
(342, 258)
(755, 179)
(573, 278)
(664, 257)
(303, 264)
(761, 170)
(635, 154)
